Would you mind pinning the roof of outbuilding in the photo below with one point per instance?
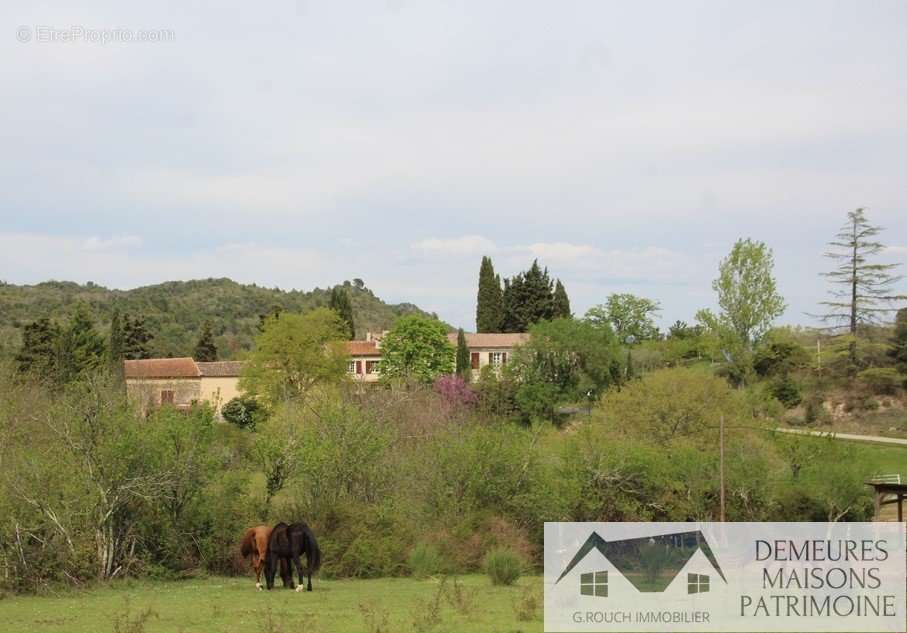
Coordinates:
(161, 368)
(492, 339)
(362, 348)
(221, 368)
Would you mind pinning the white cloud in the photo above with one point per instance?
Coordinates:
(121, 242)
(468, 245)
(563, 252)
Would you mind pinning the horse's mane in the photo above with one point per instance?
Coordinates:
(245, 547)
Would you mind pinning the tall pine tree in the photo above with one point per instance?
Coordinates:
(464, 364)
(561, 301)
(528, 299)
(489, 302)
(205, 348)
(864, 289)
(340, 303)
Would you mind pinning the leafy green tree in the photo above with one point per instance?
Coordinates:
(39, 355)
(898, 350)
(628, 315)
(672, 404)
(206, 348)
(82, 349)
(136, 338)
(294, 354)
(416, 349)
(489, 303)
(863, 289)
(564, 361)
(749, 301)
(561, 301)
(464, 361)
(340, 303)
(528, 299)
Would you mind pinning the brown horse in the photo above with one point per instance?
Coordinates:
(255, 544)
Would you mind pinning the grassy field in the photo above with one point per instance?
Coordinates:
(394, 605)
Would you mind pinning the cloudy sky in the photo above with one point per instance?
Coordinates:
(298, 144)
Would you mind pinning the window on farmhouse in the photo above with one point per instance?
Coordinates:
(697, 583)
(371, 366)
(167, 396)
(594, 584)
(496, 358)
(474, 360)
(351, 367)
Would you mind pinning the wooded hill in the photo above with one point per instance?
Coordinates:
(175, 311)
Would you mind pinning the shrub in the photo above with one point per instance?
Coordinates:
(455, 391)
(425, 560)
(243, 411)
(503, 566)
(881, 380)
(786, 392)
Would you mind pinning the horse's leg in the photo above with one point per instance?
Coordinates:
(287, 573)
(301, 573)
(269, 572)
(257, 565)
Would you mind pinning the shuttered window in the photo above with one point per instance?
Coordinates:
(474, 360)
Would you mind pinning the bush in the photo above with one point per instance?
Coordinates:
(786, 392)
(503, 566)
(425, 560)
(881, 380)
(244, 412)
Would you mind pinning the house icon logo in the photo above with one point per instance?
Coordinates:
(649, 563)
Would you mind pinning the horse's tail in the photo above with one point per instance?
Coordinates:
(313, 552)
(248, 541)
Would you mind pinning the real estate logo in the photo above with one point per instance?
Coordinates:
(725, 577)
(650, 563)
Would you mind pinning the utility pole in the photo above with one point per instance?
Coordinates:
(721, 464)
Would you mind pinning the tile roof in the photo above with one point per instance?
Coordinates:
(221, 369)
(489, 339)
(362, 348)
(161, 368)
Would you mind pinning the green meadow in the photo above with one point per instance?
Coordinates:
(228, 605)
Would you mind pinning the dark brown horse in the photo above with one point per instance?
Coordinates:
(287, 543)
(255, 544)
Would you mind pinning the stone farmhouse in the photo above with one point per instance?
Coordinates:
(179, 382)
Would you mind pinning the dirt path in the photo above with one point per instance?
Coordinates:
(878, 439)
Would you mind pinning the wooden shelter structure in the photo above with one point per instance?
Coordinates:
(889, 490)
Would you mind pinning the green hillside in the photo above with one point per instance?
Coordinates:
(174, 311)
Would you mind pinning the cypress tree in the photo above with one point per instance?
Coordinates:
(528, 299)
(898, 350)
(136, 338)
(489, 302)
(116, 344)
(464, 364)
(561, 301)
(340, 303)
(205, 348)
(82, 349)
(40, 346)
